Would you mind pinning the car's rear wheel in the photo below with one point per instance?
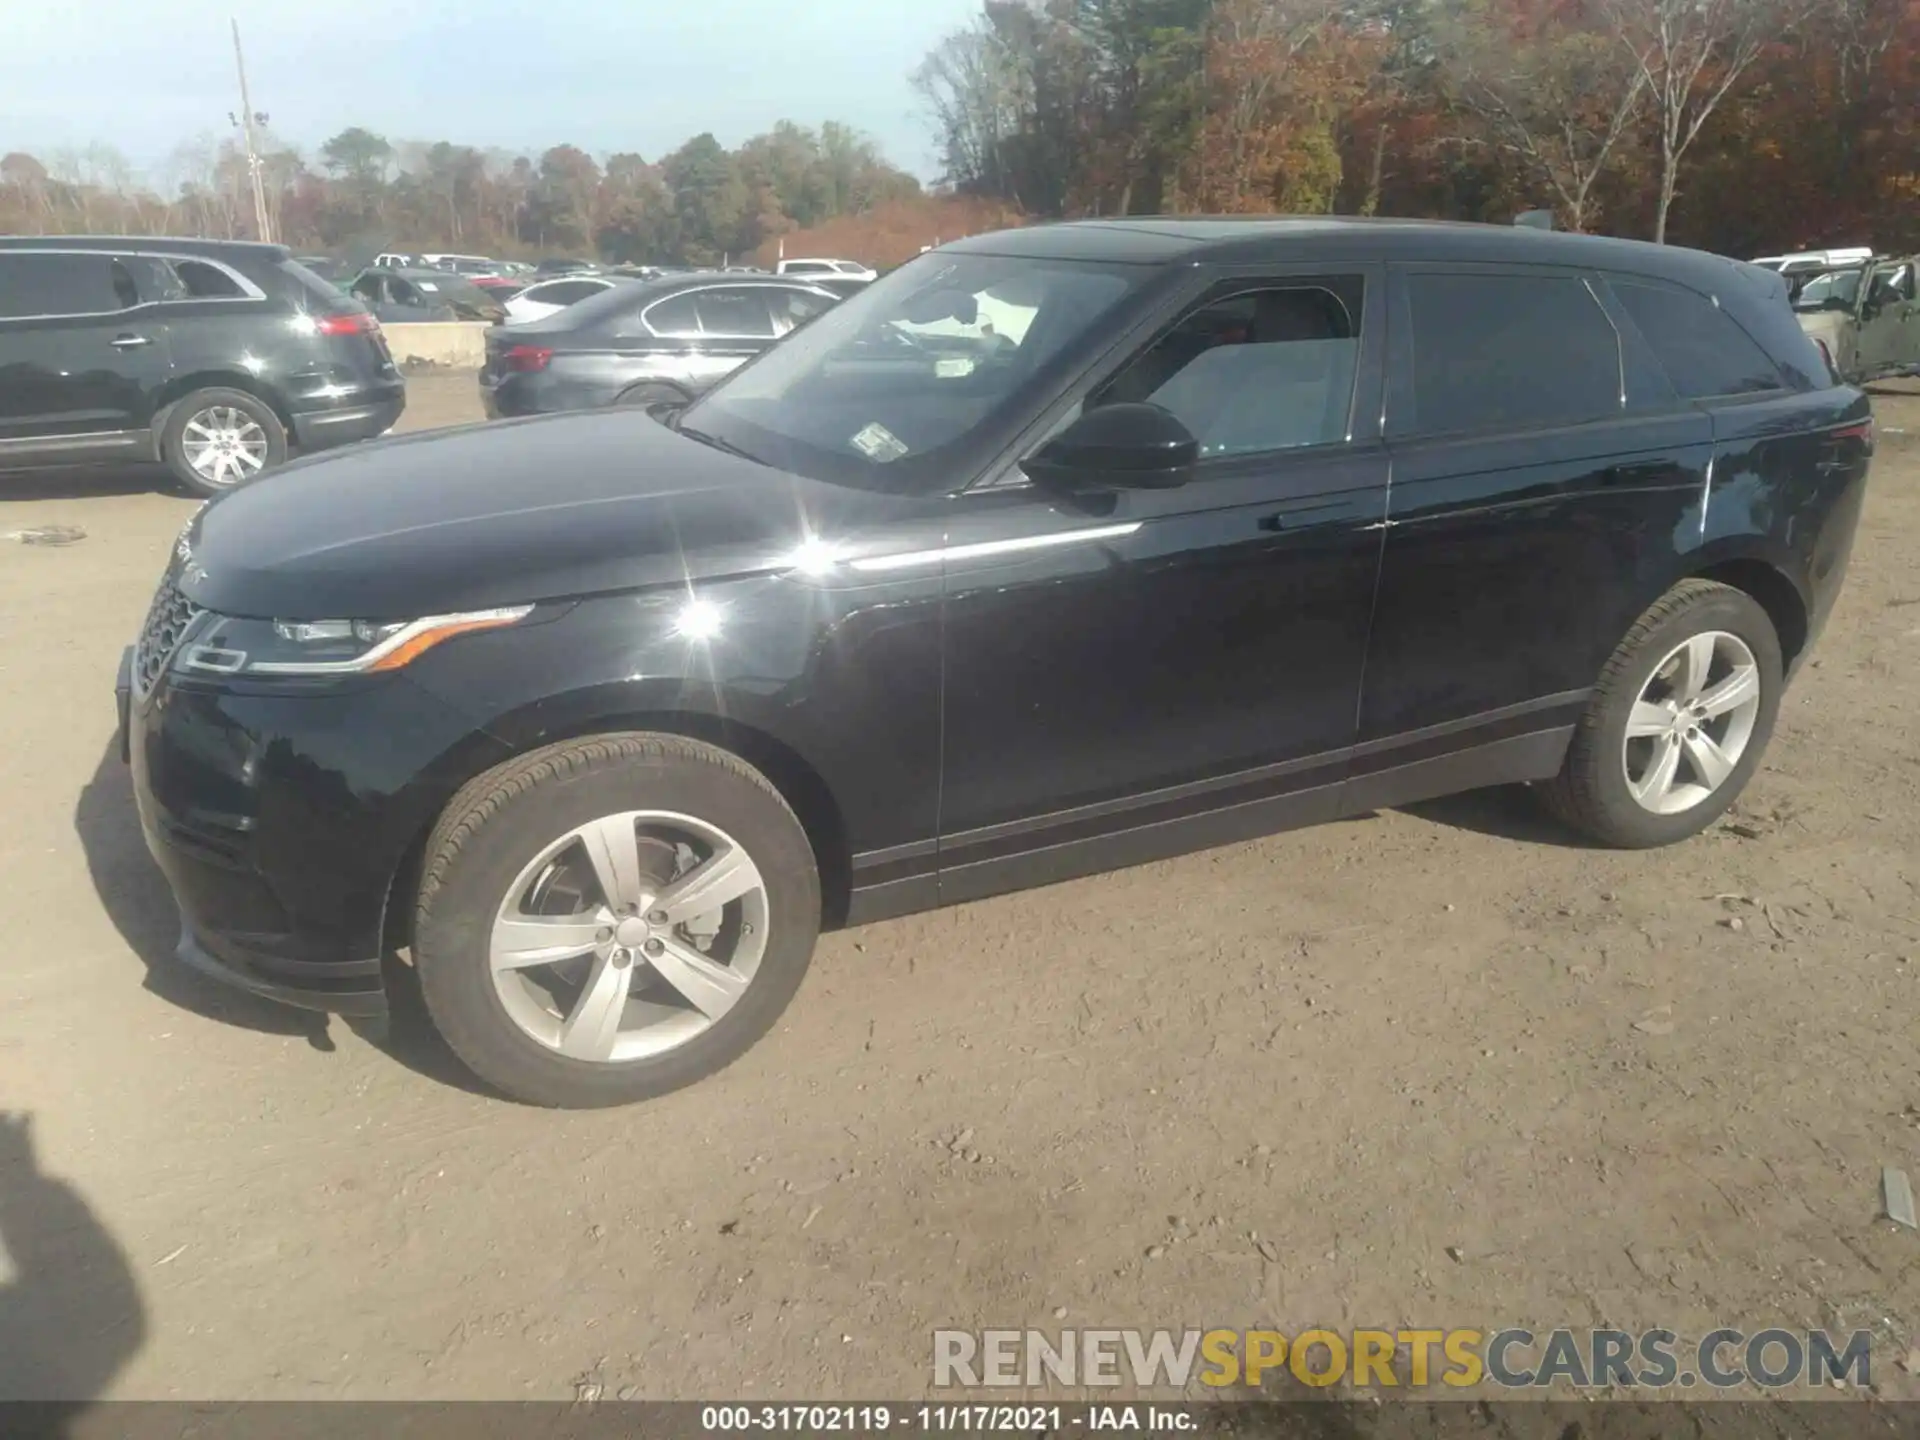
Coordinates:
(652, 393)
(613, 918)
(215, 439)
(1678, 723)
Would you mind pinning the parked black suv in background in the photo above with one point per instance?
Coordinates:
(1052, 551)
(216, 357)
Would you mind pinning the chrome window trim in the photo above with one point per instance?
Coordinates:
(770, 283)
(254, 292)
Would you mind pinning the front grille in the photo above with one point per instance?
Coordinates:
(167, 622)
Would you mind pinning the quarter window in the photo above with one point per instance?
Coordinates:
(1507, 352)
(207, 282)
(1259, 371)
(1702, 350)
(69, 283)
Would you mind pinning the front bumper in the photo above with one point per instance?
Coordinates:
(281, 821)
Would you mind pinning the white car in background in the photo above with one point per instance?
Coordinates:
(826, 269)
(550, 297)
(1810, 261)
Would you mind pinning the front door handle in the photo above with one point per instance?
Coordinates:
(130, 342)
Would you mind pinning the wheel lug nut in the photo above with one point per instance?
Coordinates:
(604, 936)
(658, 917)
(654, 947)
(621, 959)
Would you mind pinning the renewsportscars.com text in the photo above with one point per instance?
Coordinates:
(1514, 1359)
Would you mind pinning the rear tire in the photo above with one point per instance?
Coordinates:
(1612, 786)
(216, 439)
(494, 1012)
(653, 394)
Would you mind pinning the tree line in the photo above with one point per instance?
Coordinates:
(361, 193)
(1742, 126)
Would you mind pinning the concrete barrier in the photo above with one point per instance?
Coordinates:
(455, 344)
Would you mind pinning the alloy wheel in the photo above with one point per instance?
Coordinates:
(1692, 723)
(629, 936)
(224, 445)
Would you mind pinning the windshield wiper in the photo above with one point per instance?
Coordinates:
(714, 440)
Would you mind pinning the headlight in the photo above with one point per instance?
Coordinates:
(227, 646)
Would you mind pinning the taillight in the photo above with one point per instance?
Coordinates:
(348, 324)
(1863, 432)
(526, 358)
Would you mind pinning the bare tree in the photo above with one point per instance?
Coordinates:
(1561, 100)
(1692, 54)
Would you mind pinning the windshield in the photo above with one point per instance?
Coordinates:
(1835, 290)
(908, 384)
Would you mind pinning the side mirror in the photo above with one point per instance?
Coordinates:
(1117, 447)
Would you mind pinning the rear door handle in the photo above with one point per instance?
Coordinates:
(130, 342)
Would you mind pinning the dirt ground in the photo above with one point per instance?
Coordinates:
(1450, 1068)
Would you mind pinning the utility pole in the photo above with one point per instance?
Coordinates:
(247, 119)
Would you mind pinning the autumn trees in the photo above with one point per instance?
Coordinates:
(362, 193)
(1631, 116)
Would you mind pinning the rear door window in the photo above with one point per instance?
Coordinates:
(793, 308)
(67, 283)
(1703, 351)
(1506, 352)
(675, 316)
(566, 292)
(740, 314)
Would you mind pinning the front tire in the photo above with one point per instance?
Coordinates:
(1678, 722)
(216, 439)
(610, 919)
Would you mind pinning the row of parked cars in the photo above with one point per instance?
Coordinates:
(1057, 550)
(222, 359)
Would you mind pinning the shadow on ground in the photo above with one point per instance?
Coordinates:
(1511, 812)
(71, 1314)
(135, 896)
(79, 482)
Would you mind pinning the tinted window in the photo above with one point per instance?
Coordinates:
(1703, 351)
(207, 282)
(733, 312)
(1260, 371)
(674, 317)
(809, 267)
(1508, 352)
(565, 292)
(69, 284)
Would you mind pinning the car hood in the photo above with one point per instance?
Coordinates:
(547, 508)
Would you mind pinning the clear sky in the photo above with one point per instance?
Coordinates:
(606, 75)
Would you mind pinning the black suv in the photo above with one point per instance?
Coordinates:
(1052, 551)
(213, 356)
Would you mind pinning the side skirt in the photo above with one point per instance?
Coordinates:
(1516, 744)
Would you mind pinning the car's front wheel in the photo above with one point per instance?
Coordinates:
(214, 439)
(1678, 723)
(613, 918)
